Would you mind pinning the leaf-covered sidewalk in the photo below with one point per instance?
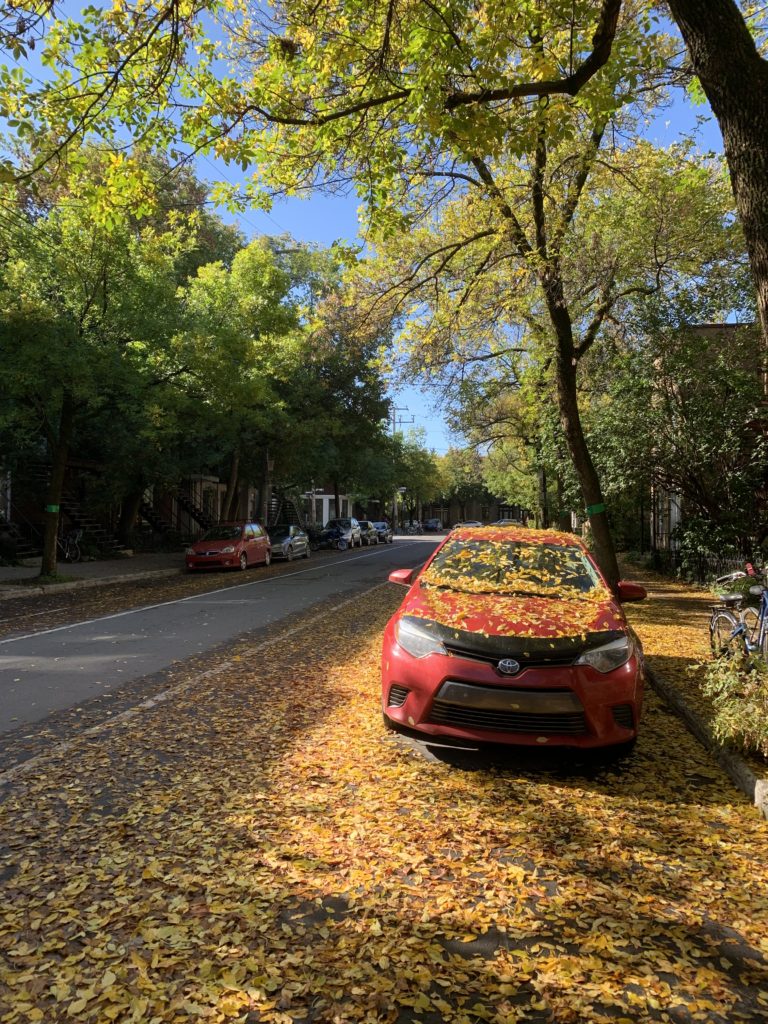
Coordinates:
(674, 626)
(259, 849)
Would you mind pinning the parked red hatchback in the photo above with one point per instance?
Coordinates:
(511, 636)
(233, 545)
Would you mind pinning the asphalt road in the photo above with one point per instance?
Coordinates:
(57, 669)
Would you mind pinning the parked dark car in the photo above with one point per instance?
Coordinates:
(385, 532)
(234, 545)
(368, 532)
(432, 525)
(289, 542)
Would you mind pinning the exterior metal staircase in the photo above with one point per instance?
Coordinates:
(202, 518)
(155, 520)
(283, 510)
(93, 531)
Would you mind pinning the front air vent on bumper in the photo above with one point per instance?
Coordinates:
(622, 715)
(507, 721)
(397, 695)
(508, 710)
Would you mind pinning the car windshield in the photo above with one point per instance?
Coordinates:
(279, 532)
(223, 532)
(380, 526)
(513, 567)
(343, 523)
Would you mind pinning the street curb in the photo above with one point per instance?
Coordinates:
(101, 581)
(736, 768)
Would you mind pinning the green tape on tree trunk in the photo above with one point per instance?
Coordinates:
(593, 510)
(51, 508)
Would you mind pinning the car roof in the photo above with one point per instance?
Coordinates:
(522, 533)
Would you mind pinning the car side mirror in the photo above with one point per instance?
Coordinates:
(402, 576)
(626, 591)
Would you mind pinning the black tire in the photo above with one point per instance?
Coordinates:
(341, 544)
(721, 639)
(267, 557)
(314, 545)
(289, 553)
(243, 561)
(307, 550)
(387, 723)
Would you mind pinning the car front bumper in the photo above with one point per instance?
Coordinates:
(444, 696)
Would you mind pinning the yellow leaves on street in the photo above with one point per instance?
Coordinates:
(259, 849)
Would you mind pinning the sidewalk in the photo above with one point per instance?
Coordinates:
(88, 574)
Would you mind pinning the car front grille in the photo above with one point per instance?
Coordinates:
(397, 695)
(622, 715)
(525, 660)
(572, 724)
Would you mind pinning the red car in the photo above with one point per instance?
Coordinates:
(511, 636)
(233, 545)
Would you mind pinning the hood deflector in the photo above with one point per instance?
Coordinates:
(559, 650)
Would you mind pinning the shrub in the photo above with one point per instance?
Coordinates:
(738, 689)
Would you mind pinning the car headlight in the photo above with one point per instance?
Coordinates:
(417, 642)
(228, 550)
(609, 656)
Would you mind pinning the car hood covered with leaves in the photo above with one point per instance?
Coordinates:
(524, 616)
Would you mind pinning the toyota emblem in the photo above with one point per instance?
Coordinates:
(508, 666)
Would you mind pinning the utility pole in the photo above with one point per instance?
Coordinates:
(397, 420)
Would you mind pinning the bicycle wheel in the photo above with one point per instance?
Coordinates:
(751, 619)
(722, 627)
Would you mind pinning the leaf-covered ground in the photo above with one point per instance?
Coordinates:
(259, 849)
(674, 626)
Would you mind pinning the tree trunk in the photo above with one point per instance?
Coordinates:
(570, 419)
(734, 78)
(230, 498)
(543, 508)
(59, 456)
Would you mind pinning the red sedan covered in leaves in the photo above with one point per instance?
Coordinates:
(511, 636)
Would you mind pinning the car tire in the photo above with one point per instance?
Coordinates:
(243, 561)
(289, 553)
(267, 557)
(613, 755)
(307, 551)
(387, 723)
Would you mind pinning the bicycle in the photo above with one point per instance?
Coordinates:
(733, 628)
(70, 546)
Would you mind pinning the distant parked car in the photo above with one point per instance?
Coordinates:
(468, 522)
(346, 529)
(385, 532)
(432, 525)
(368, 532)
(508, 522)
(234, 545)
(289, 542)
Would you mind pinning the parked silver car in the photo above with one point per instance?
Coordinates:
(368, 532)
(350, 530)
(289, 542)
